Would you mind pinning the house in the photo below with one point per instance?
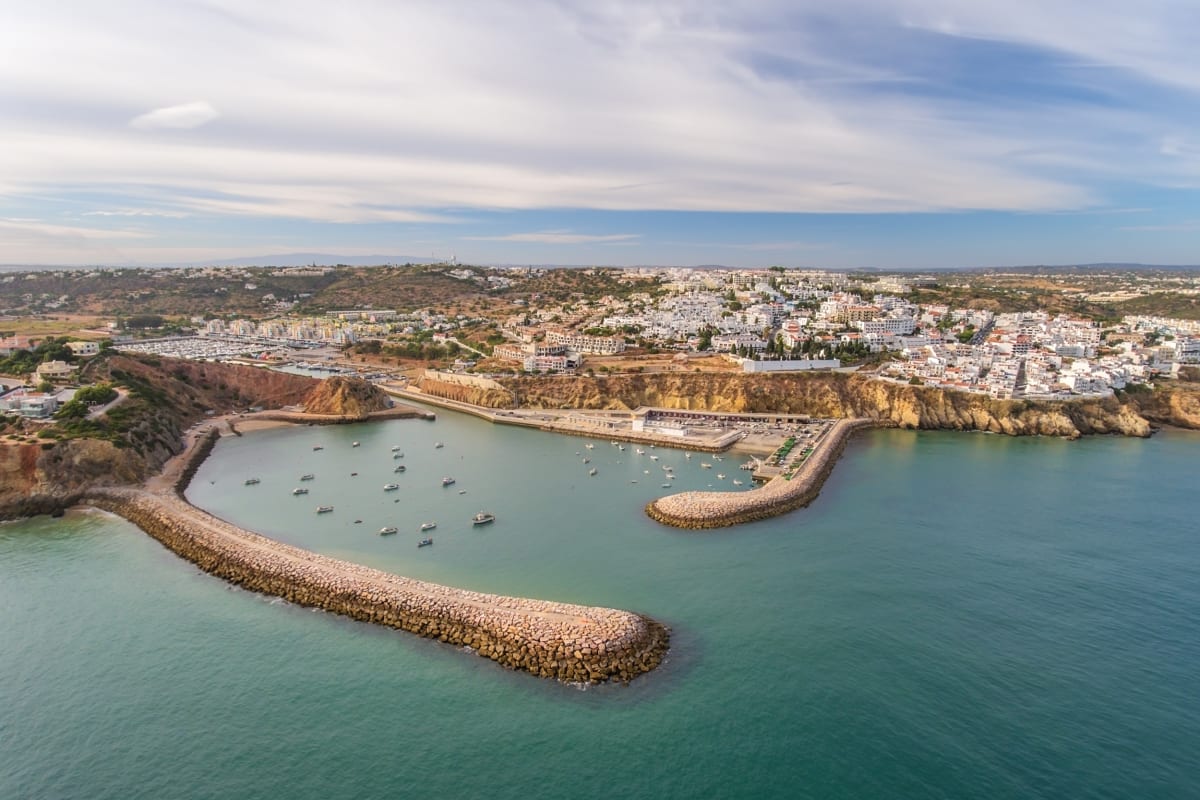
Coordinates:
(84, 349)
(54, 371)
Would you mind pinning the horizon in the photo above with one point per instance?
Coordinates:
(904, 136)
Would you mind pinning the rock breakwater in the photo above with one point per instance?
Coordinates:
(570, 643)
(700, 510)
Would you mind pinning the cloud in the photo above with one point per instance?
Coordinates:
(188, 115)
(135, 212)
(557, 237)
(37, 227)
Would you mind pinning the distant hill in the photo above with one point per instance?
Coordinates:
(305, 259)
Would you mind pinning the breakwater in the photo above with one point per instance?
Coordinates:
(699, 510)
(567, 642)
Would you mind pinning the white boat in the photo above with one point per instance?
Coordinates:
(720, 476)
(447, 481)
(705, 466)
(307, 477)
(425, 542)
(592, 471)
(387, 529)
(299, 491)
(639, 451)
(438, 445)
(400, 468)
(324, 509)
(589, 446)
(666, 486)
(736, 482)
(391, 487)
(397, 455)
(654, 458)
(687, 455)
(620, 447)
(428, 526)
(587, 461)
(395, 447)
(483, 518)
(354, 444)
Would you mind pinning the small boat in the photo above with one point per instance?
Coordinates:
(317, 447)
(590, 446)
(307, 477)
(387, 529)
(645, 472)
(397, 455)
(354, 444)
(587, 461)
(400, 468)
(438, 446)
(592, 471)
(353, 474)
(483, 518)
(705, 466)
(633, 481)
(736, 482)
(447, 481)
(428, 526)
(620, 447)
(252, 481)
(687, 455)
(639, 451)
(391, 487)
(720, 476)
(666, 486)
(462, 491)
(324, 509)
(358, 522)
(654, 458)
(299, 491)
(718, 458)
(425, 542)
(395, 447)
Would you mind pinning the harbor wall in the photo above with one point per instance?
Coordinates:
(701, 510)
(567, 642)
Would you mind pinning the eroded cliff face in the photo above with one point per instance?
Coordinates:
(352, 397)
(839, 395)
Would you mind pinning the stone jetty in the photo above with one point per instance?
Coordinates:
(699, 510)
(571, 643)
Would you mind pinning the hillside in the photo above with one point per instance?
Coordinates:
(839, 395)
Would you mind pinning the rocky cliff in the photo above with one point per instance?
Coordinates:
(352, 397)
(843, 396)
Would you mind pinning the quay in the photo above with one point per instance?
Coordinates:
(781, 494)
(567, 642)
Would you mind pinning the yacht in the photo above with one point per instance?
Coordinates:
(391, 487)
(307, 477)
(447, 481)
(387, 529)
(425, 542)
(299, 491)
(252, 481)
(428, 526)
(483, 518)
(324, 509)
(400, 468)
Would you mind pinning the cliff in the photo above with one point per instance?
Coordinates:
(350, 397)
(845, 396)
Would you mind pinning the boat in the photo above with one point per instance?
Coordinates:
(397, 455)
(592, 471)
(395, 447)
(384, 531)
(307, 477)
(425, 542)
(736, 482)
(252, 481)
(639, 451)
(353, 474)
(620, 447)
(354, 444)
(299, 491)
(654, 458)
(462, 491)
(720, 476)
(705, 466)
(589, 446)
(718, 458)
(400, 468)
(438, 445)
(483, 518)
(391, 487)
(324, 509)
(428, 526)
(666, 486)
(447, 481)
(587, 461)
(687, 455)
(317, 447)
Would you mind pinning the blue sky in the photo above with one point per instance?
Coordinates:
(904, 134)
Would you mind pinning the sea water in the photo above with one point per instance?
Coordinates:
(956, 616)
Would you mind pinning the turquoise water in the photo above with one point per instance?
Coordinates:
(956, 616)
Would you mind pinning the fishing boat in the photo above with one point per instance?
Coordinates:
(252, 481)
(307, 477)
(324, 509)
(391, 487)
(425, 542)
(483, 518)
(428, 526)
(299, 491)
(384, 531)
(447, 481)
(400, 468)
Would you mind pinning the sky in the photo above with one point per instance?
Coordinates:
(901, 135)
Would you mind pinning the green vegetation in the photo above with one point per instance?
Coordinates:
(23, 362)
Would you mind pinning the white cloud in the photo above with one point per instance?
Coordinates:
(37, 227)
(557, 237)
(135, 212)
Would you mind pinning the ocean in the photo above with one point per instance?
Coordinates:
(956, 616)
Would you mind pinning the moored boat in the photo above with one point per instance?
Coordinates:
(299, 491)
(324, 509)
(384, 531)
(252, 481)
(438, 445)
(592, 471)
(391, 487)
(425, 542)
(483, 518)
(447, 481)
(317, 447)
(354, 444)
(400, 468)
(307, 476)
(428, 526)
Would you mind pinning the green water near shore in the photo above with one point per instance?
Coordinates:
(955, 616)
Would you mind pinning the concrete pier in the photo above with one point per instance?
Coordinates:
(699, 510)
(571, 643)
